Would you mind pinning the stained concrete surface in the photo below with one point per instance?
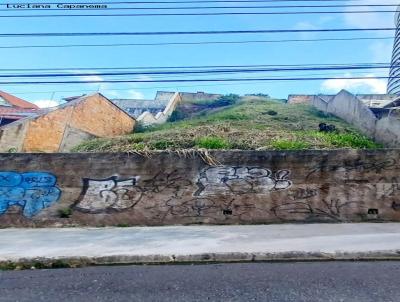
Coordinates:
(272, 282)
(171, 188)
(202, 243)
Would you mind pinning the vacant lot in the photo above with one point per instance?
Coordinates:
(251, 123)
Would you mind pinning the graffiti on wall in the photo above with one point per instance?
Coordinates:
(306, 210)
(241, 180)
(354, 166)
(209, 208)
(114, 194)
(31, 191)
(172, 194)
(100, 195)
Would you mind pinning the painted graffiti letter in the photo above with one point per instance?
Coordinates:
(31, 191)
(100, 195)
(241, 180)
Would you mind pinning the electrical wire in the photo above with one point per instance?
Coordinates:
(197, 66)
(193, 43)
(191, 72)
(207, 32)
(195, 80)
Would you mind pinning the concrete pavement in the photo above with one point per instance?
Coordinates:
(201, 243)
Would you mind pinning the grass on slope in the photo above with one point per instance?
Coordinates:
(253, 123)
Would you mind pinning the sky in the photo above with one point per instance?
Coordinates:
(322, 52)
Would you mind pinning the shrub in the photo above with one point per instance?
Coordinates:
(263, 95)
(212, 142)
(271, 112)
(139, 127)
(282, 144)
(227, 100)
(162, 144)
(177, 115)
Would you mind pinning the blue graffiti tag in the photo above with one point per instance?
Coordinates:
(32, 191)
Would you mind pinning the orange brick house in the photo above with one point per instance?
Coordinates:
(63, 127)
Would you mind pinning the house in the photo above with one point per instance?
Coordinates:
(136, 107)
(150, 112)
(13, 108)
(61, 128)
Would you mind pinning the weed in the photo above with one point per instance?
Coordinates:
(8, 266)
(244, 125)
(282, 144)
(64, 213)
(60, 264)
(122, 225)
(212, 142)
(162, 145)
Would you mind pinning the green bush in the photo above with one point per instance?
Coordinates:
(176, 116)
(212, 142)
(139, 128)
(351, 140)
(282, 144)
(226, 100)
(162, 145)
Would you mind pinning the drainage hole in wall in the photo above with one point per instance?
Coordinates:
(373, 211)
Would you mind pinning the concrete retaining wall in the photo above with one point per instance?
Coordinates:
(354, 110)
(147, 118)
(349, 108)
(166, 188)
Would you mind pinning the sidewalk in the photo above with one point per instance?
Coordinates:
(201, 243)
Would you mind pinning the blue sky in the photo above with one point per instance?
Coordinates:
(378, 51)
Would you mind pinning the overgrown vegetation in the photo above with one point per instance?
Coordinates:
(250, 123)
(65, 213)
(212, 142)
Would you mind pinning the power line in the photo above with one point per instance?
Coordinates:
(142, 88)
(209, 32)
(192, 72)
(192, 80)
(198, 66)
(198, 14)
(193, 43)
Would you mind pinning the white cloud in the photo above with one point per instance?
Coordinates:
(124, 94)
(46, 103)
(306, 26)
(369, 20)
(381, 51)
(355, 85)
(135, 94)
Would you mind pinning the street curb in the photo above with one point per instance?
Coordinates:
(73, 262)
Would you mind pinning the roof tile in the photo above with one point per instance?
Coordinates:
(17, 102)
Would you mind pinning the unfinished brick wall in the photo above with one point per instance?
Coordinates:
(93, 116)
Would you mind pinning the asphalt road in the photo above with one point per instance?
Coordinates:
(329, 281)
